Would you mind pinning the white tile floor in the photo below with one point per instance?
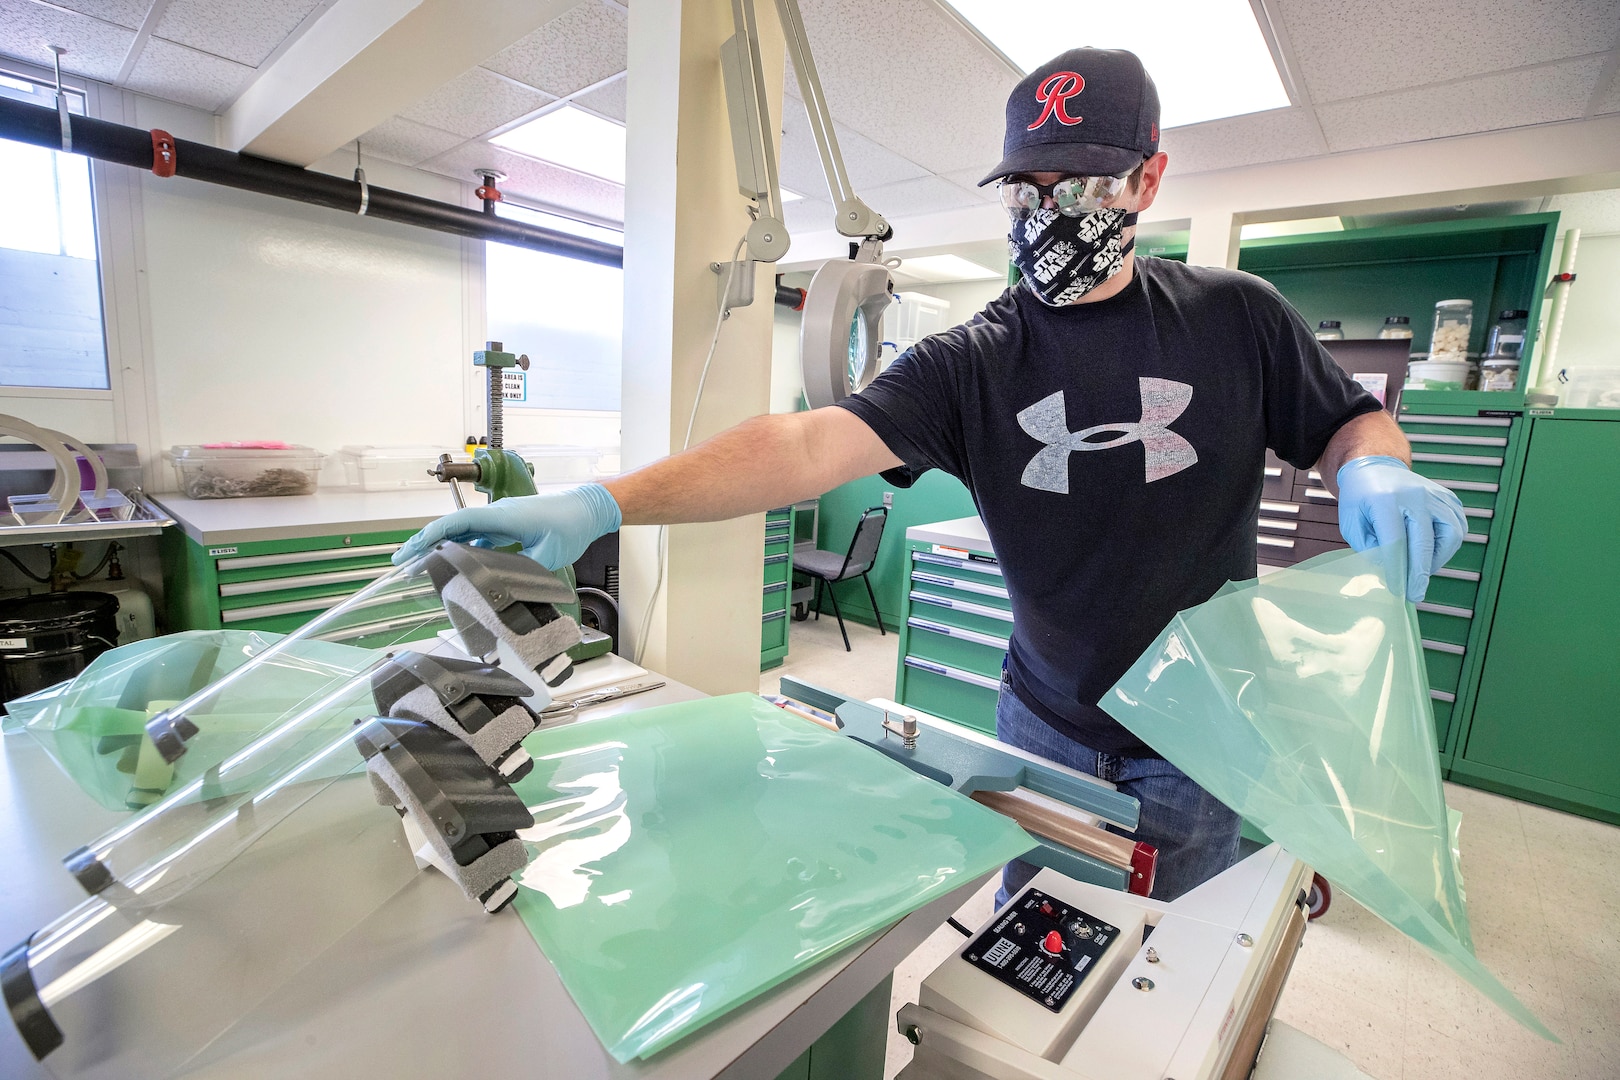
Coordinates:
(1543, 897)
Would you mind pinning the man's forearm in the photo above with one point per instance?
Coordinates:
(1369, 433)
(762, 463)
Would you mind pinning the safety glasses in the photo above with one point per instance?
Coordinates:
(1072, 196)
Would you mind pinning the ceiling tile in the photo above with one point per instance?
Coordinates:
(1610, 100)
(95, 49)
(408, 143)
(968, 181)
(937, 96)
(1349, 48)
(606, 100)
(868, 164)
(808, 216)
(475, 102)
(175, 73)
(1595, 213)
(1488, 103)
(245, 33)
(584, 45)
(1275, 135)
(910, 198)
(129, 13)
(535, 181)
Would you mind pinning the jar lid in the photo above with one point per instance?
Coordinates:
(1499, 361)
(1397, 320)
(1328, 324)
(1454, 303)
(1514, 313)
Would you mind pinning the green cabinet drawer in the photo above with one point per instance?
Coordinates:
(1444, 662)
(773, 630)
(1452, 591)
(966, 650)
(774, 597)
(1444, 623)
(980, 571)
(781, 546)
(1442, 720)
(964, 614)
(993, 596)
(778, 568)
(950, 693)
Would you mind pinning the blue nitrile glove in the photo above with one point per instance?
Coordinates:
(1384, 503)
(554, 527)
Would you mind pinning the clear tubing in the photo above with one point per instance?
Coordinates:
(162, 726)
(138, 981)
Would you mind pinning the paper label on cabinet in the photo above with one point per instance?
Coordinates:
(1375, 383)
(214, 553)
(13, 643)
(955, 553)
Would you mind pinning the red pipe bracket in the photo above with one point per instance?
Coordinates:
(164, 157)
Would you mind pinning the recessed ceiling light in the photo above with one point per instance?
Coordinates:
(572, 138)
(945, 268)
(1207, 57)
(1297, 227)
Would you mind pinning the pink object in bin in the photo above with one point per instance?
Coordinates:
(269, 445)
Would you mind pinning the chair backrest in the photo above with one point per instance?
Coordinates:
(863, 546)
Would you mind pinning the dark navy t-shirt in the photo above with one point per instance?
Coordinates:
(1115, 452)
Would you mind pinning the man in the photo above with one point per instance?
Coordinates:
(1109, 415)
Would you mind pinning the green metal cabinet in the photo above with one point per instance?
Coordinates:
(279, 585)
(778, 588)
(955, 622)
(1545, 722)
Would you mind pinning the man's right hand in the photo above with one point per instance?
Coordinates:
(554, 527)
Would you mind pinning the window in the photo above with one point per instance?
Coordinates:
(566, 314)
(50, 287)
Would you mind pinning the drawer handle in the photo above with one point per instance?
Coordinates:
(295, 558)
(1458, 575)
(1442, 695)
(1476, 538)
(1321, 493)
(303, 581)
(776, 586)
(1456, 440)
(1469, 485)
(1274, 541)
(1458, 459)
(1268, 523)
(952, 583)
(1443, 646)
(1278, 508)
(769, 615)
(985, 566)
(957, 632)
(772, 560)
(1446, 609)
(322, 603)
(953, 673)
(1272, 470)
(1461, 421)
(961, 605)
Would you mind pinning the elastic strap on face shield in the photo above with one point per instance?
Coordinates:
(28, 1012)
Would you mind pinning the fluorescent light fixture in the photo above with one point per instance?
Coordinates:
(1207, 57)
(1297, 227)
(572, 138)
(939, 269)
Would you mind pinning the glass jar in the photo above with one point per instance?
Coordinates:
(1507, 336)
(1453, 323)
(1499, 373)
(1328, 330)
(1396, 326)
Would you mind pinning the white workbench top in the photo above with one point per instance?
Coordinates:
(967, 532)
(325, 513)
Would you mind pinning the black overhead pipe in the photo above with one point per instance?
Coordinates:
(168, 156)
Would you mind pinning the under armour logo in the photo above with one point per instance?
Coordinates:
(1166, 453)
(1054, 93)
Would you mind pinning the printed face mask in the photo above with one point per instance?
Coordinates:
(1063, 258)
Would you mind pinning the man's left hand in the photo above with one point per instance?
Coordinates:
(1384, 503)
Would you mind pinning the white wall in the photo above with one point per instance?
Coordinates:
(1591, 335)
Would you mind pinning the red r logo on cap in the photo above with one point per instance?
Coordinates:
(1055, 93)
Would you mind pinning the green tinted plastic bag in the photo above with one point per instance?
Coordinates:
(687, 858)
(94, 726)
(1301, 701)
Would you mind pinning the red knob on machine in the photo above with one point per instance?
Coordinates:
(1053, 943)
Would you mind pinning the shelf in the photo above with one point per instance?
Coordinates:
(148, 521)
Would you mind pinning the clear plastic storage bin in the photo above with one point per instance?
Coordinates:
(215, 471)
(392, 468)
(561, 464)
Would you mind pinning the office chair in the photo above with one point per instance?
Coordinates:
(829, 567)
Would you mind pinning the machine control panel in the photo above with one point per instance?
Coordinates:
(1041, 947)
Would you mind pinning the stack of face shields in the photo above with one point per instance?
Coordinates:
(1301, 701)
(687, 858)
(94, 726)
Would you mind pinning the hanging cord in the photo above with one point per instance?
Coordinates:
(691, 421)
(18, 563)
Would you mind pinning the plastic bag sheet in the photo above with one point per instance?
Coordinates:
(687, 858)
(1301, 701)
(94, 726)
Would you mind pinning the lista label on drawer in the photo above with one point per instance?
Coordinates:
(214, 553)
(13, 643)
(955, 553)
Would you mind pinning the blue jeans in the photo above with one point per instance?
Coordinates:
(1197, 836)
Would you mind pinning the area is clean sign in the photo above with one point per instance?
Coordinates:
(514, 385)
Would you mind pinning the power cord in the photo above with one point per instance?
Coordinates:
(686, 443)
(958, 926)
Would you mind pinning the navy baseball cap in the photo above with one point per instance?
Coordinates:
(1087, 112)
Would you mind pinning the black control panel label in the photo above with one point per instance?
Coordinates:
(1041, 947)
